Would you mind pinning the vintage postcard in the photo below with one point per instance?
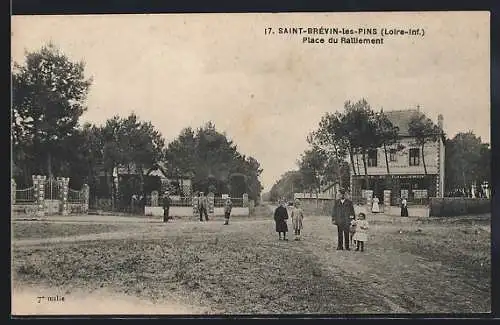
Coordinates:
(257, 163)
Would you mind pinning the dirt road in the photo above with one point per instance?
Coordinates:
(406, 268)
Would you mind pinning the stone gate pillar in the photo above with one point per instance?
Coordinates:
(245, 200)
(211, 203)
(13, 187)
(195, 205)
(387, 199)
(86, 197)
(39, 194)
(35, 193)
(63, 183)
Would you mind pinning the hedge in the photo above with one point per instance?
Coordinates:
(450, 206)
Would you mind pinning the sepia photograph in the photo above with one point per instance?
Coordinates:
(251, 164)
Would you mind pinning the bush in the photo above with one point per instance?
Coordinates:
(447, 207)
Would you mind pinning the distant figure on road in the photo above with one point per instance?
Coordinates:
(228, 206)
(342, 212)
(375, 207)
(280, 217)
(203, 206)
(297, 218)
(166, 206)
(361, 235)
(404, 207)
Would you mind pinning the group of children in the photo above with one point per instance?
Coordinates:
(358, 230)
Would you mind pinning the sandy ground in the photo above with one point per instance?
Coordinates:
(123, 265)
(26, 301)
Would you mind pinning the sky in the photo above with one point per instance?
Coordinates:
(267, 92)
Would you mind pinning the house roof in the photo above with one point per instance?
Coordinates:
(401, 119)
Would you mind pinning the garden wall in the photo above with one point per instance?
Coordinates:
(457, 206)
(188, 212)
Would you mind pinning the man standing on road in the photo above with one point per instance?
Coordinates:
(203, 206)
(166, 206)
(228, 206)
(342, 212)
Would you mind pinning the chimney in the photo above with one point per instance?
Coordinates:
(440, 121)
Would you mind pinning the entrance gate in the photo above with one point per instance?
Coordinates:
(52, 196)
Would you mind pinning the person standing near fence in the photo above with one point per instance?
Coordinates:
(228, 206)
(203, 206)
(404, 207)
(166, 206)
(375, 206)
(342, 213)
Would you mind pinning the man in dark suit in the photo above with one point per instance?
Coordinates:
(166, 206)
(342, 212)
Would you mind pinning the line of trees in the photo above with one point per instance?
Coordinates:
(48, 98)
(468, 161)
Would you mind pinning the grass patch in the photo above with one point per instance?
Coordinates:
(38, 230)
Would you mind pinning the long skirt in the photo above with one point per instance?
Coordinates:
(404, 211)
(361, 236)
(281, 226)
(297, 223)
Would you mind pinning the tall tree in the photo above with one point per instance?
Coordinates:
(467, 161)
(141, 145)
(387, 135)
(424, 130)
(312, 165)
(360, 128)
(213, 159)
(181, 154)
(91, 151)
(112, 153)
(253, 171)
(331, 138)
(48, 98)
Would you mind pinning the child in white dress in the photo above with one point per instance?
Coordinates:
(297, 219)
(375, 206)
(361, 234)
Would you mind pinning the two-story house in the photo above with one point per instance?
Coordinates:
(406, 168)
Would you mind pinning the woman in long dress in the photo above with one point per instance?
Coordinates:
(280, 217)
(375, 207)
(297, 218)
(404, 207)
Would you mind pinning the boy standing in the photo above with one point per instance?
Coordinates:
(228, 206)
